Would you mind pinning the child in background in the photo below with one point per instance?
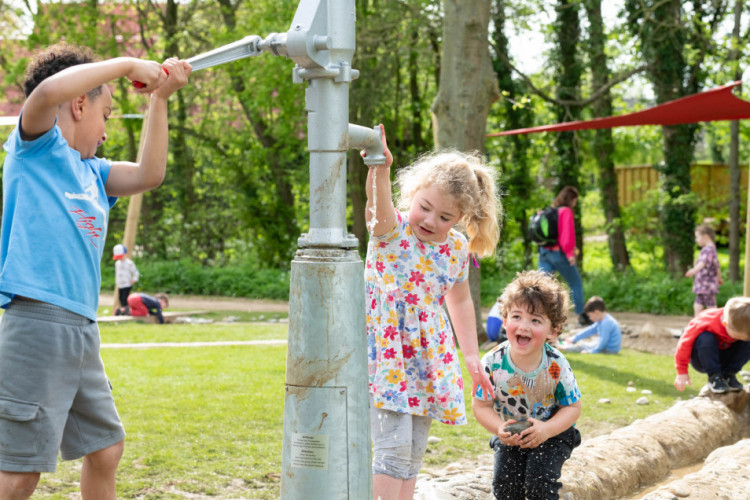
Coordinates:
(416, 262)
(534, 384)
(605, 327)
(706, 270)
(126, 274)
(561, 257)
(495, 330)
(716, 342)
(141, 304)
(56, 200)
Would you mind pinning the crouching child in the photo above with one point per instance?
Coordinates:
(716, 342)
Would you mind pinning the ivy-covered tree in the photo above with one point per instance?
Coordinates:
(603, 145)
(675, 42)
(517, 182)
(568, 72)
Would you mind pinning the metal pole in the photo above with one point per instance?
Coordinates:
(326, 447)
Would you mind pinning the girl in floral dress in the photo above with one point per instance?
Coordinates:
(706, 270)
(416, 263)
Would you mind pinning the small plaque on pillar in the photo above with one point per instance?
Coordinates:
(310, 451)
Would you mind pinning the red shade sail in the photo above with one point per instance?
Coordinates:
(709, 106)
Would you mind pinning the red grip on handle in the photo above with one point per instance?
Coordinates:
(140, 85)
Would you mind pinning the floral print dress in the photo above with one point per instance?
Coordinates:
(412, 360)
(707, 279)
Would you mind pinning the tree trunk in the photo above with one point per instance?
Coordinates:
(665, 38)
(568, 71)
(516, 173)
(603, 144)
(467, 89)
(734, 158)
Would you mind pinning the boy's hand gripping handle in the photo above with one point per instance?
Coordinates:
(140, 85)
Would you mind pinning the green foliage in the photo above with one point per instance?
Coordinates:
(187, 277)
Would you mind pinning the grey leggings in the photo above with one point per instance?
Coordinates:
(399, 442)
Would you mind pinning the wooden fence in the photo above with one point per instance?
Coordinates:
(709, 181)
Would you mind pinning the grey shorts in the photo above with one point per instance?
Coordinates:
(399, 442)
(54, 394)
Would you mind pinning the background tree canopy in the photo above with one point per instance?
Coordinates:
(237, 184)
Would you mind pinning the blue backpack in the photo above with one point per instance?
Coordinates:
(543, 227)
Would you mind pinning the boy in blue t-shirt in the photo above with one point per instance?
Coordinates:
(605, 327)
(537, 400)
(55, 396)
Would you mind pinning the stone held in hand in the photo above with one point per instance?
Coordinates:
(518, 427)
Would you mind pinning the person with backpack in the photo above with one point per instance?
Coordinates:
(553, 229)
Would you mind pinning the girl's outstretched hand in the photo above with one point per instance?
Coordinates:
(479, 377)
(386, 151)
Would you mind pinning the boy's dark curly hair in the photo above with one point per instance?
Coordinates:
(539, 293)
(54, 59)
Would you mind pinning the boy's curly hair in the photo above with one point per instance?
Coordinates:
(54, 59)
(540, 293)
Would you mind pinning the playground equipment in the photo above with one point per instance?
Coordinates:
(326, 447)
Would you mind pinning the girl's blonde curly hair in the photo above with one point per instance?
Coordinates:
(469, 182)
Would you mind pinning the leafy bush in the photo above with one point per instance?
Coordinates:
(185, 277)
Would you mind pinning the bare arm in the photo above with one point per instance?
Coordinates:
(385, 212)
(461, 310)
(41, 107)
(486, 415)
(697, 267)
(541, 431)
(490, 420)
(127, 178)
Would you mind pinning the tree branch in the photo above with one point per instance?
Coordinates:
(619, 78)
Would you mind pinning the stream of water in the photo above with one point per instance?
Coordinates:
(673, 475)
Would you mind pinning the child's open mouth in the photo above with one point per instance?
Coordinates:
(522, 341)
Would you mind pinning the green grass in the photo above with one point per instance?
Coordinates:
(208, 421)
(145, 332)
(205, 421)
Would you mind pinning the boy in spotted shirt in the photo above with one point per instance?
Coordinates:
(537, 399)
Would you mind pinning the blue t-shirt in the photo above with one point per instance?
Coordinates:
(610, 336)
(54, 223)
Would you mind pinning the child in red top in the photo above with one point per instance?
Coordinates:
(716, 342)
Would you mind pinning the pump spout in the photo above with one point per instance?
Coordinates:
(369, 140)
